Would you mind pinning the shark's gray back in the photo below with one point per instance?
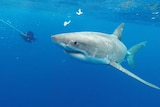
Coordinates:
(100, 45)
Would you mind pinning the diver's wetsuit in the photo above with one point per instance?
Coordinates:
(28, 37)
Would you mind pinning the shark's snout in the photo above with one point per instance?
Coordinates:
(59, 40)
(54, 38)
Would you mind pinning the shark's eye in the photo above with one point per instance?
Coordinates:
(75, 42)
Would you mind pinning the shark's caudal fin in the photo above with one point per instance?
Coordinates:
(118, 31)
(132, 51)
(119, 67)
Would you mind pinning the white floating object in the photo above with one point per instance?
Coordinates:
(153, 18)
(155, 12)
(79, 12)
(67, 22)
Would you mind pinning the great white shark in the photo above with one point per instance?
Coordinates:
(101, 48)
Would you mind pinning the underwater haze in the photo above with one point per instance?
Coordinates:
(40, 74)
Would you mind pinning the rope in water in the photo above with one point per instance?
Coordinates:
(11, 26)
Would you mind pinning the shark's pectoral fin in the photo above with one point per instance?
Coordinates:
(119, 67)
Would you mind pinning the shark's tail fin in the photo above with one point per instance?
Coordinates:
(132, 51)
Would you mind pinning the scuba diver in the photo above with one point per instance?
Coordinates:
(28, 36)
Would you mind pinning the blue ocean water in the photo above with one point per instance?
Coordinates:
(40, 74)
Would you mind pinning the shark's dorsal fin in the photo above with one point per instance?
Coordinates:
(119, 67)
(118, 31)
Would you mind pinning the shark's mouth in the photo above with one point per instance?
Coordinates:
(73, 51)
